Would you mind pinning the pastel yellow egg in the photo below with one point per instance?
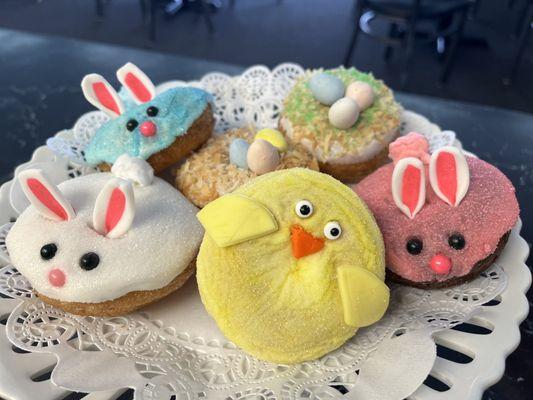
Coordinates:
(362, 93)
(262, 157)
(274, 137)
(343, 114)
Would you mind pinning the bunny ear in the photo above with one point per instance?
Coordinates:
(114, 209)
(45, 196)
(449, 174)
(100, 94)
(409, 185)
(139, 85)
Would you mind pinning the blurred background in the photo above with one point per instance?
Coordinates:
(477, 51)
(471, 50)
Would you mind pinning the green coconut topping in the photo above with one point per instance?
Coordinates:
(309, 118)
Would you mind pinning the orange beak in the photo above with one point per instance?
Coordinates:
(303, 243)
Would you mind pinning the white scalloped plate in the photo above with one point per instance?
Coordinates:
(465, 381)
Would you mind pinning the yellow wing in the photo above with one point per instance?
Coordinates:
(365, 297)
(233, 219)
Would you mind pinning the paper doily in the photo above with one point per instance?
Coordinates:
(173, 349)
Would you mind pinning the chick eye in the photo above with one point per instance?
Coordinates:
(152, 111)
(457, 241)
(332, 230)
(89, 261)
(414, 246)
(131, 124)
(48, 251)
(303, 209)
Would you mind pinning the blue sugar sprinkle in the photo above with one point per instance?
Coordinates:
(178, 109)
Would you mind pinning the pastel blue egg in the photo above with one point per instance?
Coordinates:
(326, 88)
(238, 150)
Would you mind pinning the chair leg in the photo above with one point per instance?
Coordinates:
(409, 51)
(475, 9)
(393, 33)
(207, 16)
(99, 8)
(142, 3)
(521, 47)
(152, 28)
(357, 16)
(453, 47)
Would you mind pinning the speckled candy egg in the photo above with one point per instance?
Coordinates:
(343, 113)
(262, 157)
(274, 137)
(326, 88)
(362, 93)
(238, 152)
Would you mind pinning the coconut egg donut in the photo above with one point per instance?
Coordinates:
(291, 265)
(345, 118)
(445, 216)
(106, 243)
(228, 161)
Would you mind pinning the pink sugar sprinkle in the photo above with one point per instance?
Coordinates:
(411, 145)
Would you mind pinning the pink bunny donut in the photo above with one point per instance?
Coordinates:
(445, 217)
(101, 244)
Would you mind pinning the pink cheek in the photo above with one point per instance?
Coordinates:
(148, 128)
(440, 264)
(57, 278)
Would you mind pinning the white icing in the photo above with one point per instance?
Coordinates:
(130, 68)
(88, 91)
(462, 174)
(162, 241)
(397, 185)
(134, 169)
(105, 202)
(42, 208)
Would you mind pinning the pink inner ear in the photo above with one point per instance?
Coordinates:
(115, 209)
(46, 198)
(137, 87)
(446, 170)
(411, 182)
(105, 98)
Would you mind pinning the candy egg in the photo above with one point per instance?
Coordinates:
(362, 93)
(326, 88)
(274, 137)
(262, 157)
(343, 113)
(238, 150)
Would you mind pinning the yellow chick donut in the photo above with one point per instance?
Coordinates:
(291, 264)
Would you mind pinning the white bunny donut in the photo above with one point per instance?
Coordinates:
(87, 244)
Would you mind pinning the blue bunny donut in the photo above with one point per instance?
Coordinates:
(160, 128)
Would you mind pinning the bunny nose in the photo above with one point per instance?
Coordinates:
(57, 277)
(440, 264)
(148, 128)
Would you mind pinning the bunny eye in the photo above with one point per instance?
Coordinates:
(131, 124)
(303, 209)
(456, 241)
(414, 246)
(332, 230)
(89, 261)
(152, 111)
(48, 251)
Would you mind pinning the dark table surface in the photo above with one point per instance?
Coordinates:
(40, 95)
